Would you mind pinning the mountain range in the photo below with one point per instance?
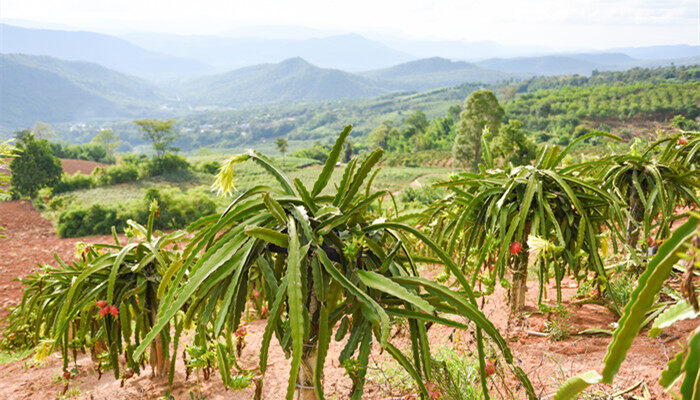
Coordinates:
(108, 51)
(41, 88)
(61, 76)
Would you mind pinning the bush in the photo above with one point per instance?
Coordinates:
(114, 175)
(35, 166)
(177, 209)
(167, 163)
(77, 181)
(210, 167)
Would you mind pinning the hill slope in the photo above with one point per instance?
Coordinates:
(51, 90)
(291, 80)
(105, 50)
(560, 64)
(435, 72)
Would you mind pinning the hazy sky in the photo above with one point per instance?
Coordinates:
(555, 23)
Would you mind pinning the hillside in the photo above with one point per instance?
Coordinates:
(291, 80)
(435, 72)
(348, 52)
(555, 64)
(108, 51)
(40, 88)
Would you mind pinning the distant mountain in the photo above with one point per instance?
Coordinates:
(460, 50)
(291, 80)
(436, 72)
(41, 88)
(660, 52)
(558, 64)
(108, 51)
(349, 52)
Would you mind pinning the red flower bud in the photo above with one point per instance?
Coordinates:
(418, 227)
(256, 294)
(433, 391)
(682, 141)
(101, 304)
(489, 368)
(515, 248)
(104, 311)
(113, 310)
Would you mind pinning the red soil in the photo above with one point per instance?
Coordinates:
(86, 167)
(31, 240)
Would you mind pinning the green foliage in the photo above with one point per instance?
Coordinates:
(34, 167)
(210, 167)
(7, 151)
(512, 145)
(482, 113)
(282, 145)
(553, 109)
(108, 140)
(544, 201)
(166, 163)
(684, 123)
(104, 302)
(77, 181)
(88, 151)
(177, 209)
(159, 134)
(317, 152)
(652, 180)
(324, 258)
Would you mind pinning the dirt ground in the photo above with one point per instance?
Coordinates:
(31, 240)
(86, 167)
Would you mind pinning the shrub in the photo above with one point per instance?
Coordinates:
(114, 175)
(167, 163)
(177, 209)
(34, 167)
(210, 167)
(69, 183)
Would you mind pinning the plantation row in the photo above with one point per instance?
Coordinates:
(341, 263)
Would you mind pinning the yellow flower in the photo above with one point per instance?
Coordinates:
(224, 179)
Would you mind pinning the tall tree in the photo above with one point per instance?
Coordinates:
(281, 144)
(379, 137)
(481, 110)
(35, 166)
(160, 134)
(107, 139)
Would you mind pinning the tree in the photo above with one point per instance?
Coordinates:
(6, 151)
(512, 145)
(160, 134)
(380, 136)
(42, 130)
(107, 139)
(454, 111)
(416, 124)
(481, 111)
(347, 152)
(281, 144)
(35, 166)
